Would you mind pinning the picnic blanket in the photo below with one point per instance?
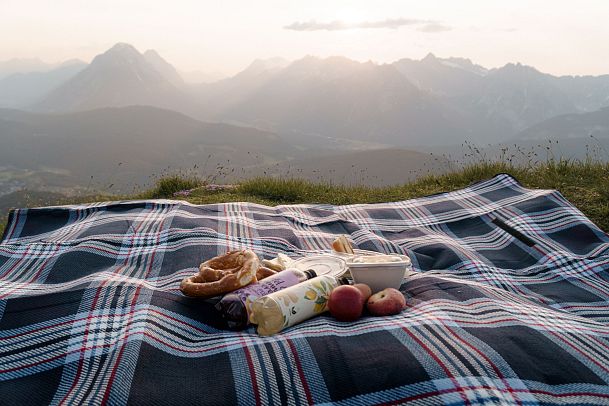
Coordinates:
(510, 304)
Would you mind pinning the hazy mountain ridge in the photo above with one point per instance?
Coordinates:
(569, 126)
(589, 93)
(23, 65)
(343, 98)
(478, 104)
(505, 100)
(119, 77)
(215, 98)
(20, 90)
(441, 77)
(432, 101)
(517, 96)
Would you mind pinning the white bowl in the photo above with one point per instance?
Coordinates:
(379, 271)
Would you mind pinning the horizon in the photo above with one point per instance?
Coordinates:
(205, 37)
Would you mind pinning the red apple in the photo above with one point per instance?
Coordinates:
(345, 303)
(386, 302)
(364, 290)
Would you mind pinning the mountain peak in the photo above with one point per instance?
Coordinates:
(121, 76)
(151, 53)
(122, 47)
(261, 65)
(118, 52)
(119, 55)
(335, 60)
(464, 64)
(430, 57)
(517, 69)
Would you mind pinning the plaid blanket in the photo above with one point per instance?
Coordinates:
(510, 304)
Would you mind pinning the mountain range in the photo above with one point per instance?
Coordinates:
(117, 78)
(128, 116)
(409, 103)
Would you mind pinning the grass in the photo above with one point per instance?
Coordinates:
(168, 185)
(584, 183)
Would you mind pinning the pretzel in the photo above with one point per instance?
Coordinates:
(223, 274)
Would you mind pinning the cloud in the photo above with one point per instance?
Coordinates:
(315, 26)
(338, 25)
(434, 27)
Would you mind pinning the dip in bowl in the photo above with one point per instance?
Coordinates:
(379, 271)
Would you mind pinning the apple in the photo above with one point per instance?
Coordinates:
(364, 290)
(386, 302)
(345, 303)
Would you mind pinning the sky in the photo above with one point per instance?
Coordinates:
(558, 37)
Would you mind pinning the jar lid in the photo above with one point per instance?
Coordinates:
(322, 265)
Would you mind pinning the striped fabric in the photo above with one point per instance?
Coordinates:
(510, 305)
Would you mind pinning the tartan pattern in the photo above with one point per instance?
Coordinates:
(510, 304)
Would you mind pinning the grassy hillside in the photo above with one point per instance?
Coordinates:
(584, 183)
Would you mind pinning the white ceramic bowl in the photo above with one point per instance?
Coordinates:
(379, 271)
